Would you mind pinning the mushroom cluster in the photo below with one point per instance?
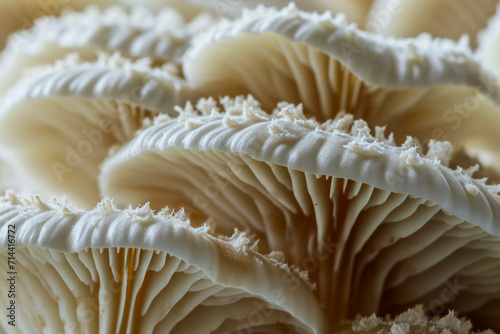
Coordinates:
(226, 167)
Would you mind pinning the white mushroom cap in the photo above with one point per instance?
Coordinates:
(57, 124)
(413, 321)
(133, 271)
(426, 88)
(444, 18)
(135, 33)
(368, 219)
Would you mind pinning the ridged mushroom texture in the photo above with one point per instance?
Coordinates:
(426, 88)
(57, 124)
(379, 227)
(133, 271)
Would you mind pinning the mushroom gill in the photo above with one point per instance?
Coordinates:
(135, 33)
(425, 88)
(132, 271)
(57, 124)
(368, 219)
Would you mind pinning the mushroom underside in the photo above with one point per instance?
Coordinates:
(369, 249)
(60, 142)
(129, 290)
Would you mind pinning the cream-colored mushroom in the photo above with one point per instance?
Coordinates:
(20, 14)
(429, 89)
(135, 33)
(132, 271)
(57, 124)
(413, 321)
(445, 18)
(378, 226)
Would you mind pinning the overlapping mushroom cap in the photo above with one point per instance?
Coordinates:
(381, 222)
(368, 219)
(20, 14)
(136, 33)
(62, 99)
(429, 89)
(57, 125)
(134, 271)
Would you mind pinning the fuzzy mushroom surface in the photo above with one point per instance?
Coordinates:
(413, 321)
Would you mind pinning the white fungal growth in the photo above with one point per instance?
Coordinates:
(466, 180)
(410, 156)
(361, 129)
(439, 150)
(366, 148)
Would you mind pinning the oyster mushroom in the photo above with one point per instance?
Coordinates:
(57, 124)
(425, 88)
(412, 321)
(135, 33)
(133, 271)
(371, 221)
(446, 18)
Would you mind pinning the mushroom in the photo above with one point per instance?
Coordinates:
(57, 124)
(412, 321)
(134, 271)
(445, 18)
(425, 88)
(20, 14)
(379, 227)
(135, 33)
